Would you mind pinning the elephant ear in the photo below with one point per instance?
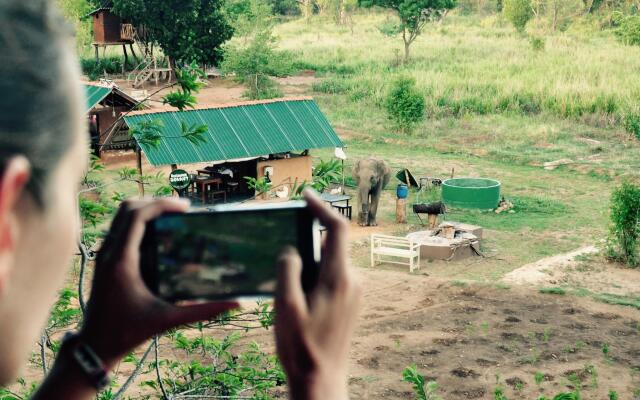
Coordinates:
(356, 173)
(385, 173)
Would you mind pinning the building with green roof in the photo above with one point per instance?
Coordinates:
(258, 138)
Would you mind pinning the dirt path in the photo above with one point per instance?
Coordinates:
(547, 269)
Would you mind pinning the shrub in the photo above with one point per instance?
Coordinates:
(625, 224)
(331, 86)
(629, 30)
(405, 104)
(632, 123)
(537, 43)
(518, 12)
(94, 69)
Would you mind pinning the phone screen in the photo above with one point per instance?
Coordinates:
(217, 255)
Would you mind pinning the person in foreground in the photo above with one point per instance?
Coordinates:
(43, 153)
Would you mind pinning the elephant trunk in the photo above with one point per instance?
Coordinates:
(363, 205)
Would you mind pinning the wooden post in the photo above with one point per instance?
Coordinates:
(133, 53)
(139, 162)
(126, 58)
(97, 52)
(401, 211)
(433, 221)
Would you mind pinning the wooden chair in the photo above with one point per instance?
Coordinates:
(394, 249)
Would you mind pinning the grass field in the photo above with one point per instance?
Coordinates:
(489, 94)
(496, 108)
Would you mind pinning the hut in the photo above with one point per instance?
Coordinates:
(268, 139)
(105, 105)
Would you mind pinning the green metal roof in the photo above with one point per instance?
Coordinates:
(95, 94)
(238, 131)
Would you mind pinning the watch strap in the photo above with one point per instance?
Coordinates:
(88, 361)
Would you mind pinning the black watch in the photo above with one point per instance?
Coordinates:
(88, 361)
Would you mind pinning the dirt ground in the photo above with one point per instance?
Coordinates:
(472, 338)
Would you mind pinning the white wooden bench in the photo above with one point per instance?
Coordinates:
(394, 249)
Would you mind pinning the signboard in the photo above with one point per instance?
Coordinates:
(179, 179)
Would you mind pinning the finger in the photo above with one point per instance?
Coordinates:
(336, 238)
(146, 213)
(181, 315)
(114, 240)
(291, 305)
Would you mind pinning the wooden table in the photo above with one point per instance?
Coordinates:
(332, 199)
(203, 186)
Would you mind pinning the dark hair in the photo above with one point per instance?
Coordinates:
(36, 94)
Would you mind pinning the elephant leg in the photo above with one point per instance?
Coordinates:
(373, 208)
(363, 213)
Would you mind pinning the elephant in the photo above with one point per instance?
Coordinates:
(371, 176)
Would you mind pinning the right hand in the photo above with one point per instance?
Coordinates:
(313, 331)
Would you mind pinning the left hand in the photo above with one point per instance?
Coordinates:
(122, 313)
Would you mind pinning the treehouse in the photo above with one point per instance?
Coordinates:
(111, 30)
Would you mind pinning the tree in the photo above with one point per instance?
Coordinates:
(414, 15)
(248, 16)
(74, 11)
(186, 30)
(255, 63)
(306, 8)
(405, 104)
(518, 12)
(561, 12)
(338, 10)
(285, 7)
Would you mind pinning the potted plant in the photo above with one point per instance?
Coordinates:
(260, 185)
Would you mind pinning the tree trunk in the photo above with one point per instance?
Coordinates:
(126, 58)
(407, 44)
(139, 163)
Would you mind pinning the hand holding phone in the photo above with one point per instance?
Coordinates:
(313, 329)
(228, 252)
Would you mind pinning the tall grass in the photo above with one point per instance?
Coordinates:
(465, 66)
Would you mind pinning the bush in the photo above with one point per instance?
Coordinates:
(632, 123)
(518, 12)
(94, 69)
(331, 86)
(625, 224)
(537, 43)
(405, 104)
(629, 30)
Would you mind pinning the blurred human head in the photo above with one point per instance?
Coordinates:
(42, 157)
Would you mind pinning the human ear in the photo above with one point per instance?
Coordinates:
(13, 180)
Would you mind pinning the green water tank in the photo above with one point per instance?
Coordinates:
(479, 193)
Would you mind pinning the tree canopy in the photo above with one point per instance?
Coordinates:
(187, 30)
(413, 14)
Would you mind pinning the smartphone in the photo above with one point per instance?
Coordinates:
(227, 252)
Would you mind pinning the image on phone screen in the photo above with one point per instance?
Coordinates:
(220, 254)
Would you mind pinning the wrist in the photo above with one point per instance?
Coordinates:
(100, 348)
(78, 353)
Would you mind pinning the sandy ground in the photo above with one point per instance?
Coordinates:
(544, 271)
